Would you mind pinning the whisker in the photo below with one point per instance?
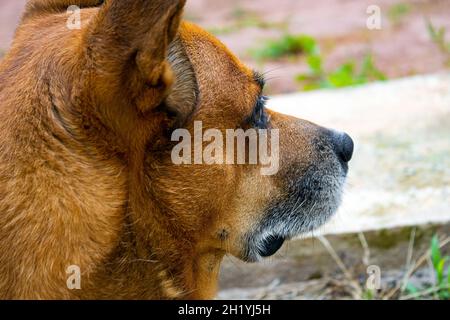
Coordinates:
(273, 69)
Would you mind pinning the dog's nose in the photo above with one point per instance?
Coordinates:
(343, 146)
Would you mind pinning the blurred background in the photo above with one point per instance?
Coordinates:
(389, 88)
(267, 34)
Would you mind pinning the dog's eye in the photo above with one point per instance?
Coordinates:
(259, 118)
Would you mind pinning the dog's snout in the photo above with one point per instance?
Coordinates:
(343, 146)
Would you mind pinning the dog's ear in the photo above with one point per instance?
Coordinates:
(127, 43)
(182, 100)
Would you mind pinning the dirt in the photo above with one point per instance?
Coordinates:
(402, 47)
(304, 269)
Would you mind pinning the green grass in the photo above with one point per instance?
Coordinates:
(246, 23)
(438, 36)
(286, 46)
(439, 263)
(441, 289)
(238, 13)
(348, 74)
(397, 12)
(242, 19)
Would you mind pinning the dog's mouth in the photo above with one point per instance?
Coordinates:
(307, 205)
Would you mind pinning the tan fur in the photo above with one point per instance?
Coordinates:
(85, 176)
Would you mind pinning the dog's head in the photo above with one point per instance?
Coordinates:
(220, 195)
(244, 208)
(174, 155)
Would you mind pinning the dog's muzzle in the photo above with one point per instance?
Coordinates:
(310, 197)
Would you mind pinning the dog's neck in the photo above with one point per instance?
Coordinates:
(155, 266)
(184, 270)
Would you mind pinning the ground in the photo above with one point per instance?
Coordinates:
(305, 269)
(401, 48)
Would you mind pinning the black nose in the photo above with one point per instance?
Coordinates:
(343, 146)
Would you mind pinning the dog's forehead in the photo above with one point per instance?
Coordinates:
(224, 82)
(207, 53)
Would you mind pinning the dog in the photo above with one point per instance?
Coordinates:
(87, 181)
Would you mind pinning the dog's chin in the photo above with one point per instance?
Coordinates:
(306, 207)
(264, 244)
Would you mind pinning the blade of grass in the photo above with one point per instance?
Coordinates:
(358, 294)
(416, 266)
(365, 246)
(426, 292)
(409, 255)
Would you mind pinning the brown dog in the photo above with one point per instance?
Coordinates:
(87, 176)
